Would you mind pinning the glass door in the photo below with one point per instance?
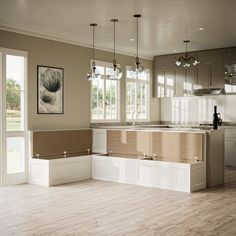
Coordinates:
(14, 117)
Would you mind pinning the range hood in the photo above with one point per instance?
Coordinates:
(208, 91)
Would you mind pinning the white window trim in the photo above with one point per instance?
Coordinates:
(127, 67)
(105, 64)
(8, 179)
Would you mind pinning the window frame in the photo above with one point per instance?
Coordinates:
(19, 177)
(105, 64)
(137, 81)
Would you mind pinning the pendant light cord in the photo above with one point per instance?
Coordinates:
(137, 36)
(186, 49)
(93, 43)
(114, 40)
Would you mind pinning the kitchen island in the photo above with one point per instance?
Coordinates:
(171, 147)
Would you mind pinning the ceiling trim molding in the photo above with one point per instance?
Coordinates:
(68, 40)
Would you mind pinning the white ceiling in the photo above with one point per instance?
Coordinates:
(163, 26)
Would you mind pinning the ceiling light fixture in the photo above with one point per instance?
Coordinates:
(186, 61)
(92, 75)
(116, 71)
(137, 68)
(201, 28)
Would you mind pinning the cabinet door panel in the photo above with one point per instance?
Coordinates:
(229, 55)
(203, 76)
(210, 57)
(160, 83)
(165, 61)
(216, 76)
(230, 150)
(189, 82)
(169, 83)
(180, 78)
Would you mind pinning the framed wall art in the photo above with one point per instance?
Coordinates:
(50, 90)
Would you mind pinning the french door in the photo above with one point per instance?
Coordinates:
(13, 119)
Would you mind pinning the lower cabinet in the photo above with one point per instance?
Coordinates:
(230, 147)
(184, 177)
(60, 171)
(230, 152)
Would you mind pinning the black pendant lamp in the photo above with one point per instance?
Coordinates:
(93, 74)
(137, 68)
(116, 72)
(186, 61)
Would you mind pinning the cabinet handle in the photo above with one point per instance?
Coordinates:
(210, 76)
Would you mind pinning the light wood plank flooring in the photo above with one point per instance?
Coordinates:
(106, 208)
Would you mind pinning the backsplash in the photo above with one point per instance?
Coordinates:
(192, 110)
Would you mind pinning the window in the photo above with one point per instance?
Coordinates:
(13, 110)
(137, 95)
(105, 95)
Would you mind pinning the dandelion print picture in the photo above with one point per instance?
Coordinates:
(50, 90)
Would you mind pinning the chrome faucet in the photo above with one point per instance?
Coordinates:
(154, 156)
(64, 154)
(88, 151)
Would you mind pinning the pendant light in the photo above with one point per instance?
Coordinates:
(116, 73)
(187, 61)
(93, 74)
(137, 68)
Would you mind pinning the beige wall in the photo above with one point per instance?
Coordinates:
(75, 61)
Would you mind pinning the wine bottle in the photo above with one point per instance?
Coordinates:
(215, 118)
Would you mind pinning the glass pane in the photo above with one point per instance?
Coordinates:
(15, 93)
(108, 102)
(15, 155)
(109, 71)
(97, 99)
(100, 70)
(130, 74)
(143, 75)
(111, 101)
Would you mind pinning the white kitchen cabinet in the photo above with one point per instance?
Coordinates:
(230, 147)
(185, 177)
(230, 151)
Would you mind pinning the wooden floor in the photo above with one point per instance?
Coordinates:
(105, 208)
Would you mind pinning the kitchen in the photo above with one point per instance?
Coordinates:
(142, 134)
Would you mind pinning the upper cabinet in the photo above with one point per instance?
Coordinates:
(229, 62)
(229, 56)
(210, 56)
(171, 80)
(164, 61)
(210, 69)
